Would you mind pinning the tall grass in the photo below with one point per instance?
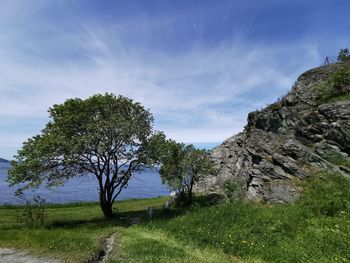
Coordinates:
(314, 229)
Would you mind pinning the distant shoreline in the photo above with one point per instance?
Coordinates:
(82, 204)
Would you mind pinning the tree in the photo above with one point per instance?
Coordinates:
(105, 136)
(344, 55)
(183, 166)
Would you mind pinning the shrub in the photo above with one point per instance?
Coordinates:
(232, 191)
(336, 87)
(344, 55)
(338, 80)
(33, 213)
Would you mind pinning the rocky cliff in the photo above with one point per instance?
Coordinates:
(307, 130)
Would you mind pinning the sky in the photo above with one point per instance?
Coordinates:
(199, 66)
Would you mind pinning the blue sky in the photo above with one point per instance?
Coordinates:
(199, 66)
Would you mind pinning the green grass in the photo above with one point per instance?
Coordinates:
(139, 244)
(328, 98)
(72, 232)
(338, 159)
(336, 88)
(314, 229)
(344, 97)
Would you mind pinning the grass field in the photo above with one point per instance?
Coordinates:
(72, 232)
(314, 229)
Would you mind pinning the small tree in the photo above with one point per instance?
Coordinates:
(344, 55)
(183, 166)
(105, 136)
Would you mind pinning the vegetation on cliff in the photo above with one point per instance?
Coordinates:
(336, 88)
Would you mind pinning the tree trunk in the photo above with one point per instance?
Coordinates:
(190, 193)
(189, 201)
(106, 205)
(107, 209)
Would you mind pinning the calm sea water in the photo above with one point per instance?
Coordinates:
(145, 184)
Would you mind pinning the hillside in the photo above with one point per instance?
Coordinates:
(306, 131)
(3, 160)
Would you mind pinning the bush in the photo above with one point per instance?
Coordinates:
(338, 80)
(33, 213)
(232, 191)
(344, 55)
(336, 87)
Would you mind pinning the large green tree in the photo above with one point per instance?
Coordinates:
(182, 166)
(104, 136)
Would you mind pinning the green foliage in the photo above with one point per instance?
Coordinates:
(336, 88)
(314, 229)
(344, 97)
(71, 232)
(327, 196)
(344, 55)
(140, 245)
(104, 136)
(182, 166)
(338, 80)
(338, 159)
(33, 213)
(232, 191)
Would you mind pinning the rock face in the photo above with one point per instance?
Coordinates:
(283, 143)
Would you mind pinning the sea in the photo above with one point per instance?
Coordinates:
(145, 184)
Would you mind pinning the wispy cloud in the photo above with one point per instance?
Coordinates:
(198, 94)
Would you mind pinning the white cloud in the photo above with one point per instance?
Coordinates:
(192, 93)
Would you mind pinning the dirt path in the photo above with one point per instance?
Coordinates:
(105, 253)
(110, 242)
(13, 256)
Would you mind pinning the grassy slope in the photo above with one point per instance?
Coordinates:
(314, 229)
(337, 159)
(139, 244)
